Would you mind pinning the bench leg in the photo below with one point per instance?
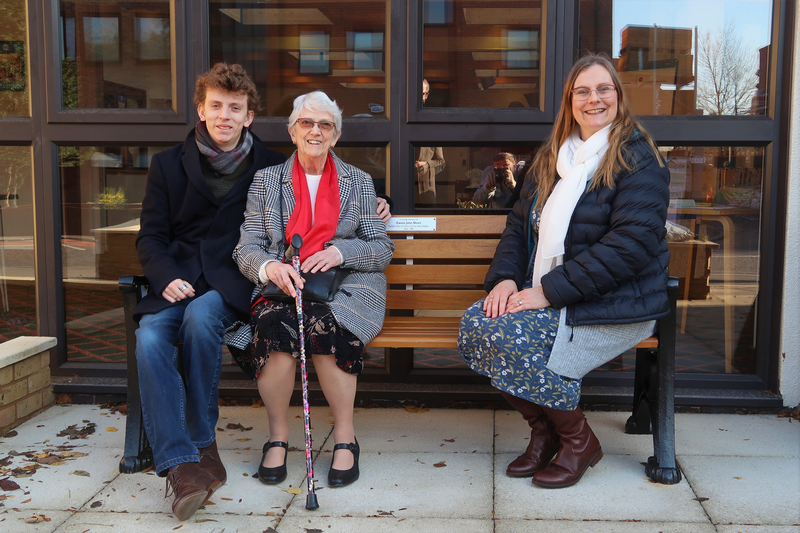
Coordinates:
(138, 454)
(639, 421)
(663, 467)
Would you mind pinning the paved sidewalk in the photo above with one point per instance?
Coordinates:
(434, 471)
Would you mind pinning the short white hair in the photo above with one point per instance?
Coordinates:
(316, 101)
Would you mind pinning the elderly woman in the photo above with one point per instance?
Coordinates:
(579, 275)
(332, 206)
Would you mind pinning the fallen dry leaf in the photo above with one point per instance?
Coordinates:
(112, 430)
(37, 519)
(294, 490)
(238, 426)
(243, 440)
(67, 455)
(12, 433)
(96, 504)
(700, 499)
(82, 473)
(227, 499)
(201, 520)
(7, 484)
(415, 409)
(736, 477)
(449, 440)
(440, 465)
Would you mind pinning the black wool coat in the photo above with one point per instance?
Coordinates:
(616, 256)
(187, 233)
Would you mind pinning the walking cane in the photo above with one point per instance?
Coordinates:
(311, 499)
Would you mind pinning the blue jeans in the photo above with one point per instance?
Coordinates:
(180, 419)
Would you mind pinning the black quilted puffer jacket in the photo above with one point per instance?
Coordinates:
(616, 256)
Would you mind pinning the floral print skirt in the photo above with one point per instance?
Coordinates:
(512, 350)
(275, 330)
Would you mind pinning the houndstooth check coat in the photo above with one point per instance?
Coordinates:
(360, 303)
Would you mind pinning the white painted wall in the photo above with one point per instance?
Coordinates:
(790, 336)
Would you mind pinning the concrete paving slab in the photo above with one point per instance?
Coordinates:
(63, 487)
(407, 485)
(596, 526)
(757, 529)
(256, 418)
(383, 524)
(746, 490)
(742, 435)
(615, 489)
(13, 521)
(144, 492)
(44, 428)
(435, 430)
(136, 523)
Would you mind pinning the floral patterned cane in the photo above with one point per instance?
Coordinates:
(311, 499)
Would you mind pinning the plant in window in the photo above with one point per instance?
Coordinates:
(110, 198)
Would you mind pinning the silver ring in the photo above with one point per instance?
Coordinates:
(183, 287)
(519, 302)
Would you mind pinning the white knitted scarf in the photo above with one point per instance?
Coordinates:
(577, 163)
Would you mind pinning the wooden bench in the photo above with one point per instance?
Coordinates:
(435, 275)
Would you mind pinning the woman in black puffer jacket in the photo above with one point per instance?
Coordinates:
(579, 275)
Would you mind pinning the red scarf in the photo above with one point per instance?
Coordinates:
(326, 209)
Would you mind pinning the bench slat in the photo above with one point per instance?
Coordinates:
(432, 299)
(445, 248)
(450, 274)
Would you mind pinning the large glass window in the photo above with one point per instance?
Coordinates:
(116, 54)
(101, 198)
(713, 234)
(685, 57)
(13, 59)
(483, 54)
(292, 47)
(17, 267)
(470, 177)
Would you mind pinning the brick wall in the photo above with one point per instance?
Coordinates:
(24, 379)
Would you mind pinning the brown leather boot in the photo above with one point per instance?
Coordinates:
(578, 450)
(190, 484)
(211, 463)
(543, 443)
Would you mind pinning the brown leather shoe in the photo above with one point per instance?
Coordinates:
(543, 444)
(578, 450)
(191, 485)
(211, 463)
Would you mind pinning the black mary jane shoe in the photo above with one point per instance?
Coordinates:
(276, 474)
(341, 478)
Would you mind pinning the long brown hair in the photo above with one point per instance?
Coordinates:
(622, 129)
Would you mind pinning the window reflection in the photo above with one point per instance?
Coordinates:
(101, 198)
(477, 56)
(684, 57)
(13, 59)
(464, 178)
(292, 47)
(116, 54)
(716, 202)
(17, 274)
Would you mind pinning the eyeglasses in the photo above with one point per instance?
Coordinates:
(604, 91)
(307, 124)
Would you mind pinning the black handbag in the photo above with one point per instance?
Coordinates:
(319, 286)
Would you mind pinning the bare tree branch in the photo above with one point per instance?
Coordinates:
(727, 73)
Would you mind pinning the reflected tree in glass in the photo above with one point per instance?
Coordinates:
(727, 73)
